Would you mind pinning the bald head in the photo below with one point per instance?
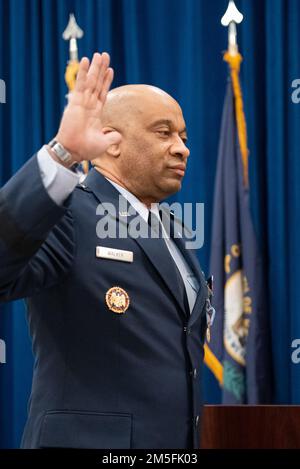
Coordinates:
(125, 104)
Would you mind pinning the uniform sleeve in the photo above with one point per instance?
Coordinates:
(36, 235)
(58, 181)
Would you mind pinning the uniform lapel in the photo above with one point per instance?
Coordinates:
(192, 261)
(157, 252)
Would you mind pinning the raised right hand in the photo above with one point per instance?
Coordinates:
(80, 130)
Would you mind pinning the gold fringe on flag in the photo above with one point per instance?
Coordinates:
(234, 62)
(213, 364)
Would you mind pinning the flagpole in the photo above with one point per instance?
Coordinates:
(238, 350)
(71, 34)
(230, 19)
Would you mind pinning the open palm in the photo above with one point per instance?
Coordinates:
(80, 130)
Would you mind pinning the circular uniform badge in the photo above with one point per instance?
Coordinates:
(117, 300)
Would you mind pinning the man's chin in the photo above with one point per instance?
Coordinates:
(172, 186)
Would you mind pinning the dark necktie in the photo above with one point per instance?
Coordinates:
(156, 232)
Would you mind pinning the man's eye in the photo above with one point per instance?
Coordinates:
(164, 133)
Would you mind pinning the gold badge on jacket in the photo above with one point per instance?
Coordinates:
(117, 300)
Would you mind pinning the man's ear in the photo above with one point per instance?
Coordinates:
(113, 150)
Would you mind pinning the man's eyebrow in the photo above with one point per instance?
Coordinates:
(166, 122)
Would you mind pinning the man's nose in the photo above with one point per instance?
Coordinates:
(179, 148)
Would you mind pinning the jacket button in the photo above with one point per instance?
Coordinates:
(188, 330)
(197, 421)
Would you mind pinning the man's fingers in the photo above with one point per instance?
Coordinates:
(108, 78)
(82, 73)
(95, 77)
(94, 71)
(103, 68)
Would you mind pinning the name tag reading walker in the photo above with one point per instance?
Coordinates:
(115, 254)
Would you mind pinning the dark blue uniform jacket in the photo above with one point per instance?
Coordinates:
(101, 379)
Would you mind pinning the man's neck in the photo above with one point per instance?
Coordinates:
(112, 177)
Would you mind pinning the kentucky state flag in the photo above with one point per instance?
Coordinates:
(238, 352)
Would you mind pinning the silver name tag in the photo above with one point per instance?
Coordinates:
(115, 254)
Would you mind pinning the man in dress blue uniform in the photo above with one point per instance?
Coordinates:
(117, 323)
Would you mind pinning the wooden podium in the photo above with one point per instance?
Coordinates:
(248, 427)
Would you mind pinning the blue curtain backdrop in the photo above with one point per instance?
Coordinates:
(176, 45)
